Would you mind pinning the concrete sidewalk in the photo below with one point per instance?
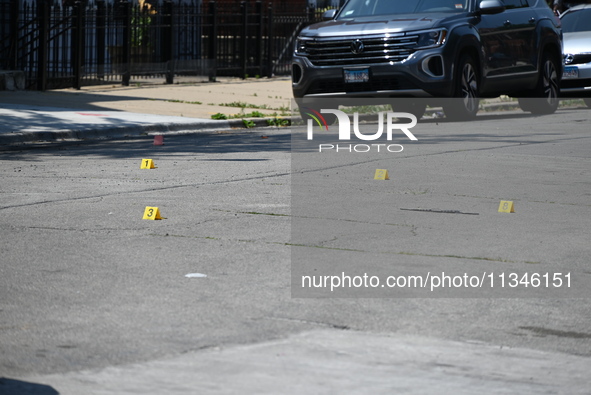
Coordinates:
(333, 362)
(151, 107)
(110, 111)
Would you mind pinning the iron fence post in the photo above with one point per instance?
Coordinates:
(244, 41)
(14, 40)
(77, 47)
(259, 53)
(270, 41)
(126, 75)
(42, 56)
(213, 33)
(168, 40)
(100, 38)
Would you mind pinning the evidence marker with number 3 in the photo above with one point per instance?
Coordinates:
(152, 213)
(381, 174)
(147, 164)
(506, 206)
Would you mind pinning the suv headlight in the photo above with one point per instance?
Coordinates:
(431, 38)
(300, 46)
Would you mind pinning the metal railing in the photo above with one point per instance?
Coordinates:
(59, 46)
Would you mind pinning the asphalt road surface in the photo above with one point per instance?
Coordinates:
(86, 284)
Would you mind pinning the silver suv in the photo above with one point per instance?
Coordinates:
(434, 49)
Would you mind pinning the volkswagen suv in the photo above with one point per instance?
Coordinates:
(465, 49)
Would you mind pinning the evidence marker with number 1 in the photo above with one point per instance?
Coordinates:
(147, 164)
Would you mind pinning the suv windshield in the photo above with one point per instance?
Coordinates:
(576, 21)
(360, 8)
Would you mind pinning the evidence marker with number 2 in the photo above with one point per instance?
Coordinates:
(152, 213)
(381, 174)
(506, 206)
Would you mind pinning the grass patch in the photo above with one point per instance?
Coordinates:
(248, 124)
(183, 101)
(219, 115)
(278, 122)
(244, 105)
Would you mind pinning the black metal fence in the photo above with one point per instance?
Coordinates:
(73, 44)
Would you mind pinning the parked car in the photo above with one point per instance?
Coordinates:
(466, 49)
(576, 79)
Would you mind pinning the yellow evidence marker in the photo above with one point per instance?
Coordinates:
(147, 164)
(506, 206)
(381, 174)
(152, 213)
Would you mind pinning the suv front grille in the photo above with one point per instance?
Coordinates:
(376, 49)
(581, 58)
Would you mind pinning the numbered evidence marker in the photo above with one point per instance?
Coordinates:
(506, 206)
(152, 213)
(381, 174)
(147, 164)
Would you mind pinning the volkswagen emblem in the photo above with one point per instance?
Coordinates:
(357, 47)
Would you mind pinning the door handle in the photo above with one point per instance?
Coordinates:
(532, 20)
(507, 23)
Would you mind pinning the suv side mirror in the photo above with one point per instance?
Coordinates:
(490, 7)
(329, 15)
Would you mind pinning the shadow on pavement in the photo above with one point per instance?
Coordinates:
(65, 101)
(14, 387)
(253, 141)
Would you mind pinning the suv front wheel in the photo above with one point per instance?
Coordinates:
(465, 106)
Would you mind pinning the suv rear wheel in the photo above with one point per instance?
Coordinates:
(545, 96)
(467, 89)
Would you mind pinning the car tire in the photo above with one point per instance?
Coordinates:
(546, 95)
(588, 101)
(526, 104)
(466, 91)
